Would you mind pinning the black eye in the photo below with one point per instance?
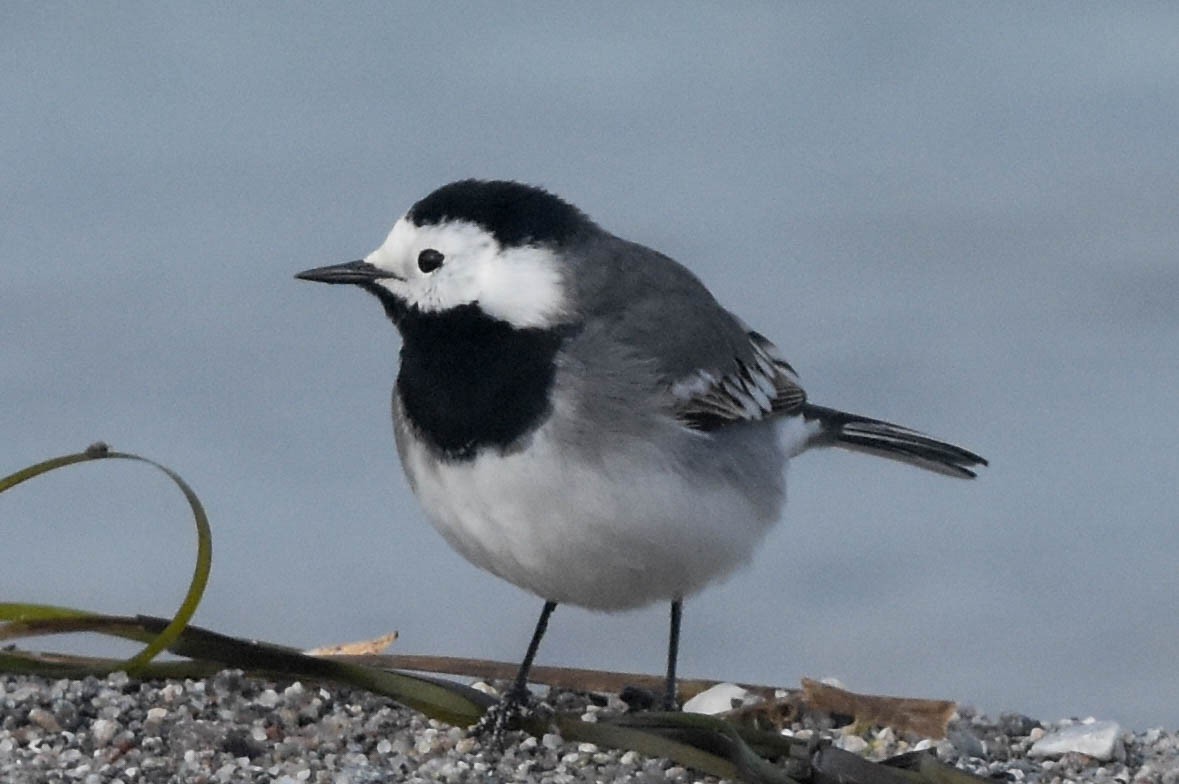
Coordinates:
(429, 260)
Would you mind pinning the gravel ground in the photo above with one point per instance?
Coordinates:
(230, 728)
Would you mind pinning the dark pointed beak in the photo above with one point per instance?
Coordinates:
(351, 272)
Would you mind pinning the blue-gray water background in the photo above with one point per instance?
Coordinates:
(963, 218)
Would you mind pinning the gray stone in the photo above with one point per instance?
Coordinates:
(967, 743)
(1099, 739)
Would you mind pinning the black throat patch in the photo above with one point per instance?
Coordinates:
(469, 381)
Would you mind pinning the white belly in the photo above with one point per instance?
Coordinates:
(626, 530)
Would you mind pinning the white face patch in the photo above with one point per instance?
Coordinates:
(522, 286)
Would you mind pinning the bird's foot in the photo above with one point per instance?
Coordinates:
(502, 717)
(639, 699)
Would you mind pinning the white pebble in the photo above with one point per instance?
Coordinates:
(103, 730)
(718, 699)
(853, 743)
(1098, 739)
(551, 741)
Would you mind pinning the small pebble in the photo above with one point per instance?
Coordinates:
(967, 743)
(44, 719)
(103, 730)
(853, 743)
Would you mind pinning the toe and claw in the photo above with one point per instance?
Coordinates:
(502, 717)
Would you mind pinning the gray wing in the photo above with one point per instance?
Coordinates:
(711, 369)
(750, 391)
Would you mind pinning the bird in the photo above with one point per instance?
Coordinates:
(579, 416)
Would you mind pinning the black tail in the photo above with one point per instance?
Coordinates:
(850, 431)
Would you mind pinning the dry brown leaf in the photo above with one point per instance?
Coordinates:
(926, 718)
(361, 648)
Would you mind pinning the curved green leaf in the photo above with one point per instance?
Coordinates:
(200, 576)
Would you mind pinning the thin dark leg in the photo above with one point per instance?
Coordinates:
(500, 717)
(520, 688)
(673, 649)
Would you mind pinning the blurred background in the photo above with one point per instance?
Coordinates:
(960, 218)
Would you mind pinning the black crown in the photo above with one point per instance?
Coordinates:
(514, 213)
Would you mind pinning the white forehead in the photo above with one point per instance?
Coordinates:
(406, 241)
(523, 286)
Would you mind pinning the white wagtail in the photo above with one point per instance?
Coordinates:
(577, 414)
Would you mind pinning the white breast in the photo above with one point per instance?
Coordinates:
(626, 530)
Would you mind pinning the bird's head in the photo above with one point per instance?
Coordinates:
(495, 245)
